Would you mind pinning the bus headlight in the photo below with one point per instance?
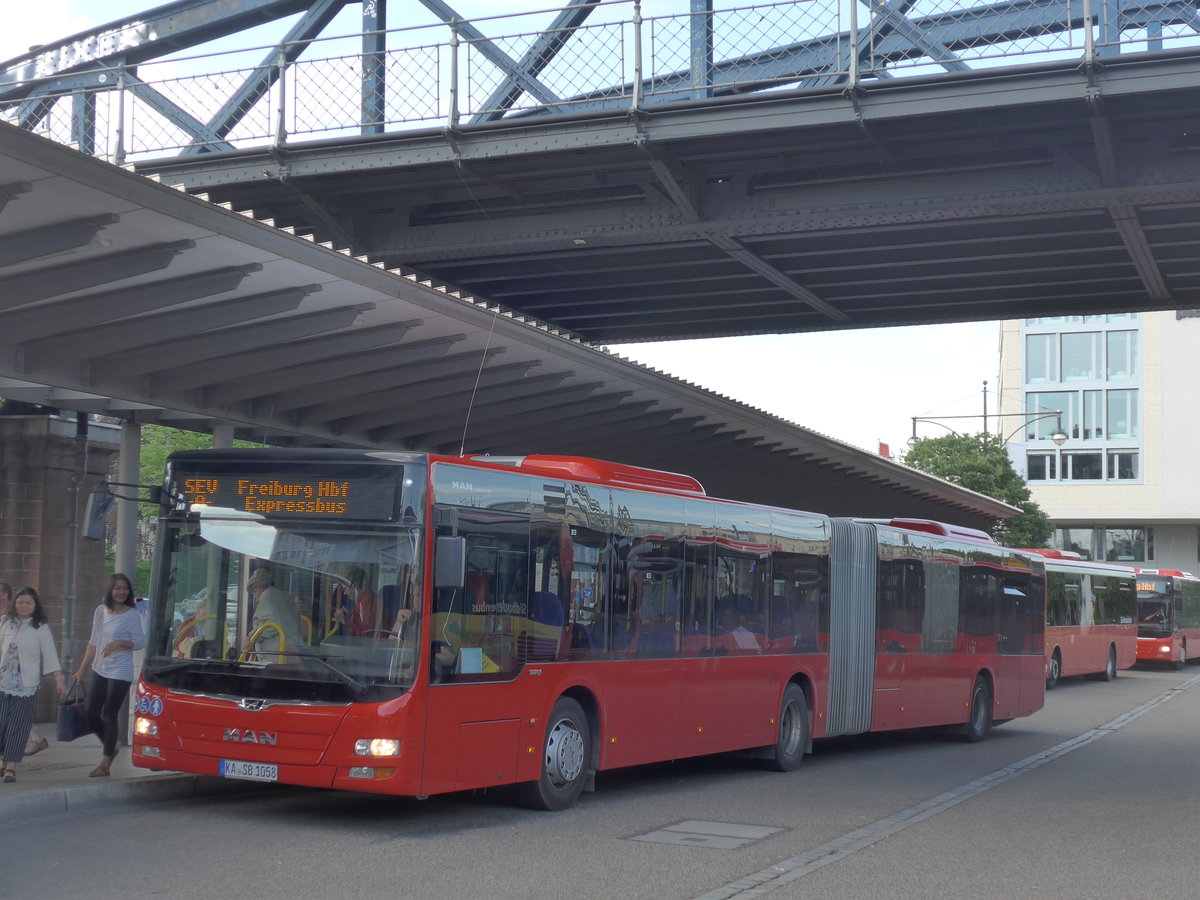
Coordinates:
(1165, 648)
(145, 727)
(377, 747)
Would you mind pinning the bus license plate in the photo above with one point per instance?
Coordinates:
(251, 771)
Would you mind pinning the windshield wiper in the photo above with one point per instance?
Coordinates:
(359, 689)
(177, 665)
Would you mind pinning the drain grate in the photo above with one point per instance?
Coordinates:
(709, 835)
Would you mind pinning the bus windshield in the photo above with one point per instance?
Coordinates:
(285, 609)
(1155, 616)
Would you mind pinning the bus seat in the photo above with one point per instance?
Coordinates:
(546, 612)
(389, 599)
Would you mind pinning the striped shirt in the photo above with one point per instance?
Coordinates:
(108, 627)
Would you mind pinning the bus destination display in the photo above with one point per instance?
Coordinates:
(286, 495)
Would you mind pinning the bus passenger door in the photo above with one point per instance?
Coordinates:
(645, 700)
(478, 637)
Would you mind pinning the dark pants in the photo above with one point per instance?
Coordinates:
(103, 709)
(16, 721)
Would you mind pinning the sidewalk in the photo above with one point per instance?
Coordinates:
(56, 780)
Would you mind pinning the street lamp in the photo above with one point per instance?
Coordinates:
(1059, 437)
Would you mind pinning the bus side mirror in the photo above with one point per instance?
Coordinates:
(450, 562)
(95, 515)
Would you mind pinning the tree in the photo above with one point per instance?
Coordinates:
(159, 442)
(978, 462)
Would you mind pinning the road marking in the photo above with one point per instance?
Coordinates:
(759, 883)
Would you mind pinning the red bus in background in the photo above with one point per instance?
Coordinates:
(1090, 617)
(1168, 616)
(413, 624)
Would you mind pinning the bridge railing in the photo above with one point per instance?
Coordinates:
(465, 73)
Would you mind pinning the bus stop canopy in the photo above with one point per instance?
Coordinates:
(124, 297)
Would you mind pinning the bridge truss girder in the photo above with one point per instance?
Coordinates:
(1007, 193)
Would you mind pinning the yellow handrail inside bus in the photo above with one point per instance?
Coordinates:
(191, 626)
(258, 633)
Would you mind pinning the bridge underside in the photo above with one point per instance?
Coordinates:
(127, 298)
(1050, 190)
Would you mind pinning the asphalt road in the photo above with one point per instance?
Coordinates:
(1092, 797)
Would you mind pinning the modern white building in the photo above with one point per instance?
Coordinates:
(1124, 390)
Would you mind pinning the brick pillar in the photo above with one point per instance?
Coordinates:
(37, 459)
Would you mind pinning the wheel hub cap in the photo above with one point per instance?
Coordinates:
(564, 754)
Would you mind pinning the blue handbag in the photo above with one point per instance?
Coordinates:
(72, 714)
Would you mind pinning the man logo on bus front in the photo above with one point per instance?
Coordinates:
(237, 736)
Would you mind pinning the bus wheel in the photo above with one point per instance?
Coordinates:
(792, 740)
(1179, 664)
(1053, 671)
(980, 721)
(1110, 667)
(564, 759)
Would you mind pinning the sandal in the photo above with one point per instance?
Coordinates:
(98, 772)
(9, 776)
(37, 747)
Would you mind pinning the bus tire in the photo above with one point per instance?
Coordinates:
(1110, 666)
(566, 755)
(1053, 670)
(1182, 661)
(792, 738)
(979, 718)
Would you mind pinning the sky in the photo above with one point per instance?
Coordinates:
(871, 383)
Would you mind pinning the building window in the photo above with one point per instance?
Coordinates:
(1083, 466)
(1041, 425)
(1047, 320)
(1081, 356)
(1128, 544)
(1123, 414)
(1041, 358)
(1093, 415)
(1041, 467)
(1122, 354)
(1077, 540)
(1122, 465)
(1069, 364)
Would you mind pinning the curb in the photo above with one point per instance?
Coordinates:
(147, 789)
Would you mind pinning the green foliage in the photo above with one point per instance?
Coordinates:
(159, 442)
(978, 462)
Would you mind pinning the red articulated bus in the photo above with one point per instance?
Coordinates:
(1168, 616)
(413, 624)
(1090, 617)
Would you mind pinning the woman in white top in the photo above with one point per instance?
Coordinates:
(116, 633)
(26, 653)
(37, 743)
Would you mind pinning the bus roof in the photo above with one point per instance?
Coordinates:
(928, 526)
(1053, 554)
(599, 470)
